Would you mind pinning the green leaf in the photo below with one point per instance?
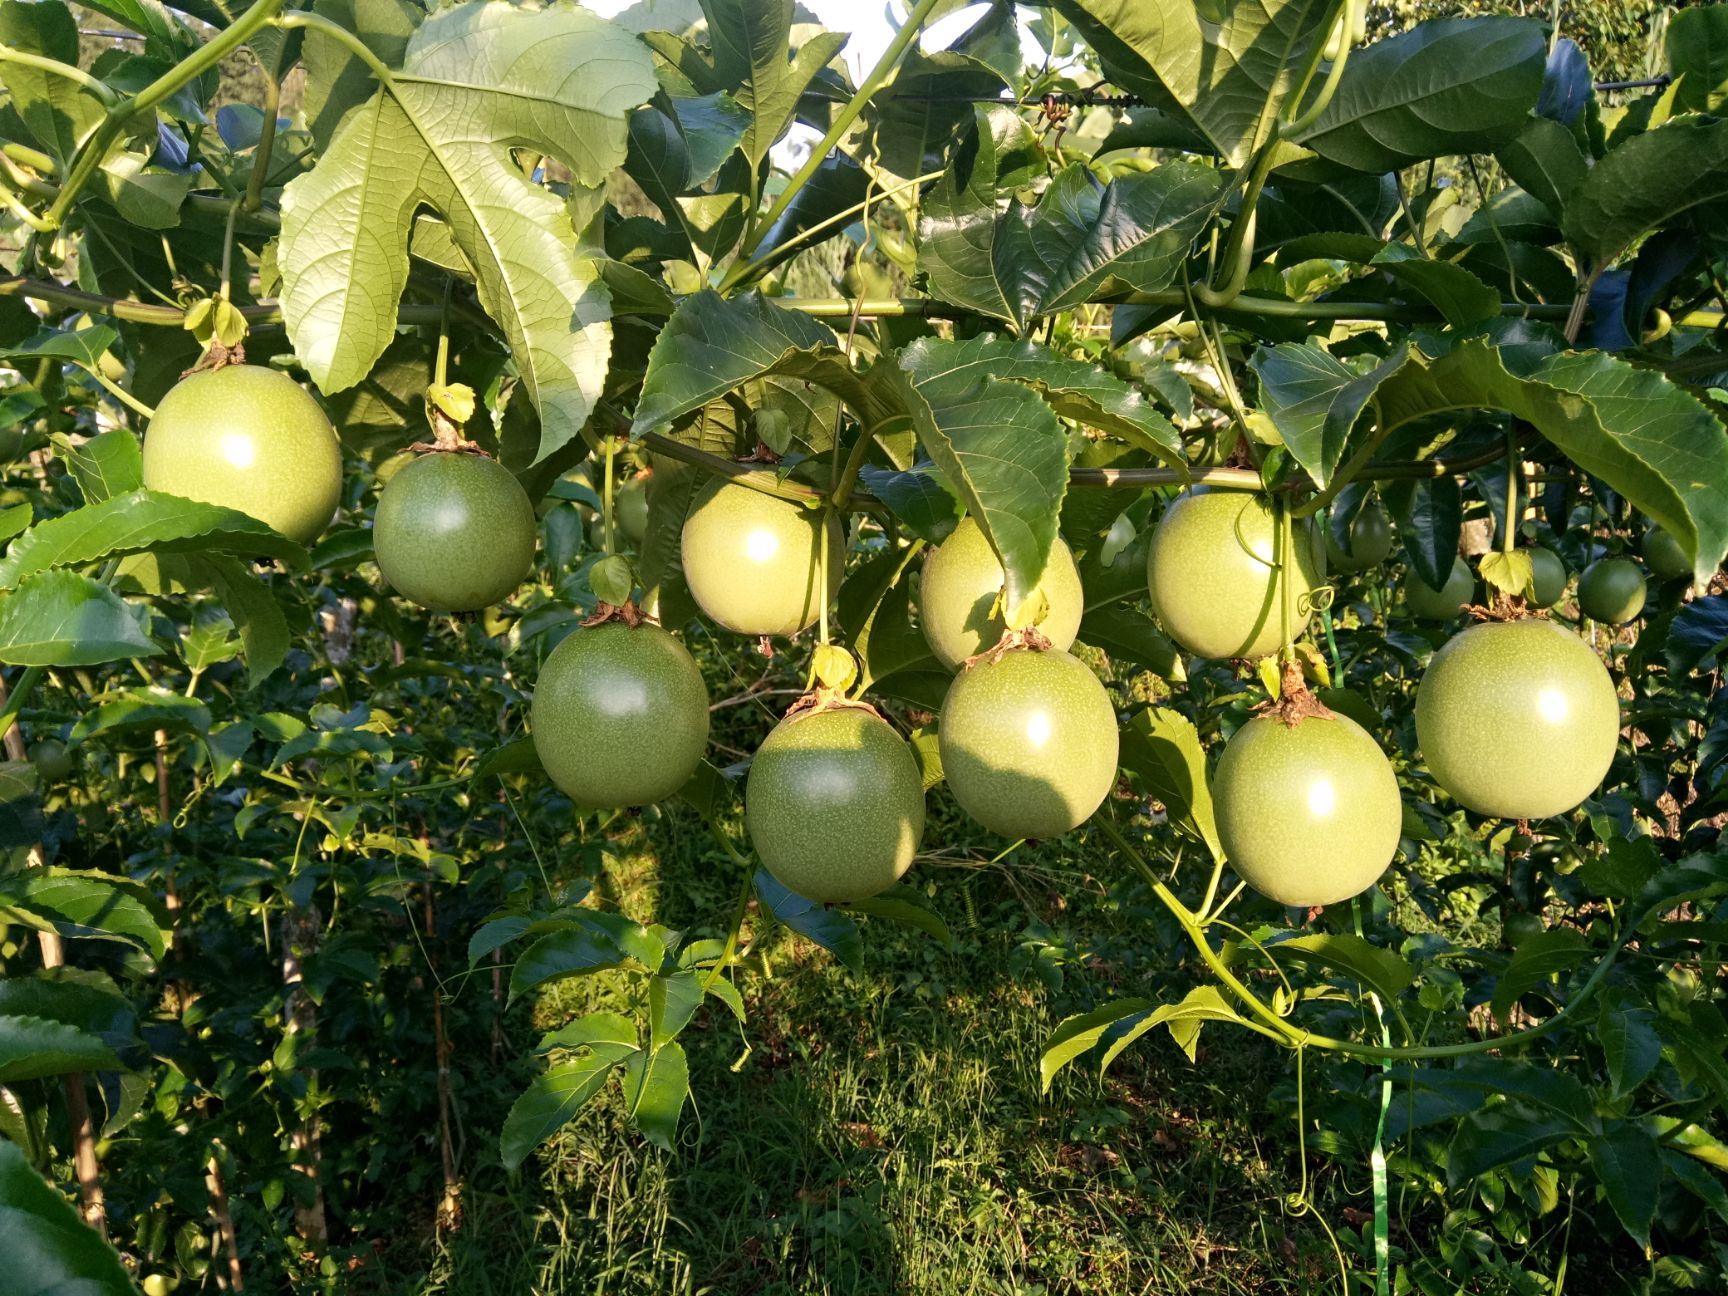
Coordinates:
(82, 347)
(1445, 87)
(1697, 635)
(88, 903)
(1185, 1018)
(829, 928)
(518, 756)
(33, 1047)
(253, 609)
(1459, 295)
(1513, 573)
(1630, 1045)
(1647, 438)
(1161, 748)
(495, 934)
(479, 80)
(108, 464)
(14, 519)
(47, 1247)
(1075, 1035)
(1697, 48)
(1629, 1165)
(672, 1001)
(1225, 71)
(59, 618)
(1546, 162)
(575, 951)
(1315, 400)
(136, 522)
(337, 82)
(143, 708)
(1647, 182)
(909, 907)
(1430, 515)
(1498, 1135)
(656, 1086)
(996, 443)
(1548, 953)
(553, 1100)
(874, 607)
(750, 40)
(58, 113)
(1380, 970)
(20, 804)
(1132, 637)
(595, 1028)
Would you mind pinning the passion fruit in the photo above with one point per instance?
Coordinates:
(620, 716)
(53, 760)
(751, 559)
(630, 508)
(1663, 553)
(247, 438)
(835, 804)
(962, 583)
(1211, 570)
(1611, 591)
(1550, 575)
(1308, 814)
(1430, 604)
(1370, 540)
(1028, 742)
(454, 532)
(1517, 719)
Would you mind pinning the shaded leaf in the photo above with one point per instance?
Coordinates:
(829, 928)
(554, 1099)
(44, 1240)
(656, 1086)
(33, 1047)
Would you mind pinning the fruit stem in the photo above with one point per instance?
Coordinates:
(606, 497)
(1286, 587)
(226, 290)
(822, 576)
(738, 912)
(1509, 523)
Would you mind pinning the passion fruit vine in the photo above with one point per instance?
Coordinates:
(751, 559)
(247, 438)
(454, 532)
(834, 803)
(1213, 572)
(1517, 719)
(620, 715)
(961, 586)
(1028, 742)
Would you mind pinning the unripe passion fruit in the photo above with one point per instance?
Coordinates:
(1550, 575)
(1029, 742)
(1308, 815)
(1517, 719)
(53, 762)
(247, 438)
(751, 559)
(961, 582)
(1611, 590)
(620, 716)
(835, 804)
(454, 532)
(630, 508)
(1662, 551)
(1423, 600)
(1210, 570)
(1370, 540)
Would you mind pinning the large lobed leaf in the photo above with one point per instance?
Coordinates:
(479, 81)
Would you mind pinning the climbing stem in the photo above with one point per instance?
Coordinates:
(1286, 584)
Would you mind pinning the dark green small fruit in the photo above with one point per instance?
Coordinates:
(962, 581)
(1211, 572)
(53, 762)
(1430, 604)
(1550, 575)
(835, 804)
(1370, 540)
(1662, 551)
(1308, 814)
(1517, 719)
(1029, 743)
(751, 560)
(454, 532)
(251, 439)
(1612, 591)
(620, 716)
(630, 508)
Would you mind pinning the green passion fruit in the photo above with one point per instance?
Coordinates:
(1662, 551)
(1211, 570)
(1370, 540)
(1611, 590)
(1430, 604)
(751, 559)
(1308, 814)
(962, 582)
(53, 760)
(1550, 575)
(1028, 742)
(247, 438)
(835, 804)
(630, 508)
(1517, 719)
(620, 715)
(454, 532)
